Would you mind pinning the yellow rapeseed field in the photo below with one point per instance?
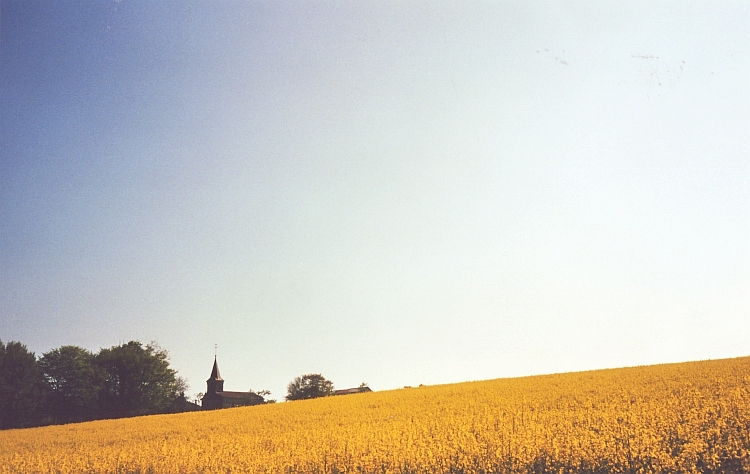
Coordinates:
(675, 418)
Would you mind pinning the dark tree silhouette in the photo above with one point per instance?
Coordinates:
(74, 382)
(309, 386)
(137, 380)
(21, 387)
(71, 384)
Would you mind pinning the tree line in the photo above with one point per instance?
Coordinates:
(72, 384)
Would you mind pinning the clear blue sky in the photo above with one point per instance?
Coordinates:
(390, 192)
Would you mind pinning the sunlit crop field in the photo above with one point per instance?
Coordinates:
(677, 418)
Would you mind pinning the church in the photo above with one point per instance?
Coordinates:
(216, 397)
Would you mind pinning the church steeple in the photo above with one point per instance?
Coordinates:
(215, 383)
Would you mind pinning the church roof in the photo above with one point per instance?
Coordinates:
(215, 375)
(242, 395)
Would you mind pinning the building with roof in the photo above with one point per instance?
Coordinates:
(216, 397)
(350, 391)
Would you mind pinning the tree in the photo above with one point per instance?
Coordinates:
(181, 402)
(264, 395)
(21, 387)
(74, 382)
(309, 386)
(137, 380)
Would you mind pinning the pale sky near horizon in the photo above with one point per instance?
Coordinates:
(389, 192)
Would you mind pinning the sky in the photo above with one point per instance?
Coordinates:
(396, 193)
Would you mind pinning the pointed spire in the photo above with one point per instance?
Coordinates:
(215, 375)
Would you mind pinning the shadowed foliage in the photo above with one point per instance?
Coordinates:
(137, 380)
(309, 386)
(74, 382)
(71, 384)
(21, 387)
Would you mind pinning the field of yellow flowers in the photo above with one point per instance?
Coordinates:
(674, 418)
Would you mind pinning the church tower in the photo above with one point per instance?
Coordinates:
(217, 397)
(215, 383)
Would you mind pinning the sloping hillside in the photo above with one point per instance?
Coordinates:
(689, 417)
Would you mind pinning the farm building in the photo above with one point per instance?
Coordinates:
(217, 397)
(349, 391)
